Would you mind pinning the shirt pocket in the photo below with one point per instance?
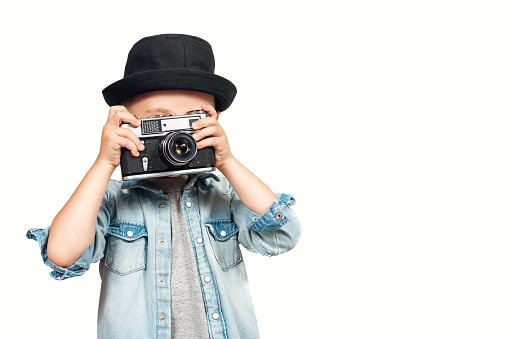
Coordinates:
(126, 247)
(224, 239)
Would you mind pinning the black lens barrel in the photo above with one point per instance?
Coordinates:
(178, 148)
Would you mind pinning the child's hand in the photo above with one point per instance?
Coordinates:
(115, 137)
(209, 127)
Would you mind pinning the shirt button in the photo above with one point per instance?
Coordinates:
(188, 204)
(215, 316)
(130, 234)
(162, 317)
(278, 216)
(162, 240)
(161, 280)
(161, 205)
(208, 279)
(199, 240)
(223, 233)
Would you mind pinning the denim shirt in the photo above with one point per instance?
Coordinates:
(133, 243)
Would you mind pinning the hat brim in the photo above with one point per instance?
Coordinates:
(172, 79)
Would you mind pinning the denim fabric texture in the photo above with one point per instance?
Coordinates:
(133, 246)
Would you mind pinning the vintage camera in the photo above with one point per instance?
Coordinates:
(169, 150)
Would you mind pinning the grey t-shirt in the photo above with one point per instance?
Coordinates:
(188, 316)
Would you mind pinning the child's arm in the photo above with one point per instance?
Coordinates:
(252, 191)
(73, 228)
(265, 221)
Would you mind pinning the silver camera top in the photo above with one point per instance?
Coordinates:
(160, 125)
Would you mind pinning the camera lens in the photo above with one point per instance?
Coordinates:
(181, 147)
(178, 148)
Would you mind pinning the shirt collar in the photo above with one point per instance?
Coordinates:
(146, 184)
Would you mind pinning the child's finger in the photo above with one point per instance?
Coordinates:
(128, 134)
(205, 132)
(204, 122)
(210, 110)
(120, 117)
(115, 109)
(212, 141)
(127, 143)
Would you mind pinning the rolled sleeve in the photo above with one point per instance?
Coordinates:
(276, 231)
(94, 252)
(80, 266)
(275, 217)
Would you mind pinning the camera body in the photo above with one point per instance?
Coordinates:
(170, 149)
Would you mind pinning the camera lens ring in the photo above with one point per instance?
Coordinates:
(178, 148)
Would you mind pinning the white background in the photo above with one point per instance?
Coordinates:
(386, 119)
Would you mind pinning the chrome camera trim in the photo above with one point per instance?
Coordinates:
(169, 174)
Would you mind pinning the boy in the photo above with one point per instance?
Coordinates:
(170, 261)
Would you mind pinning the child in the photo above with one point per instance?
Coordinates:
(170, 261)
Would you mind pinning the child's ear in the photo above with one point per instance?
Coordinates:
(218, 114)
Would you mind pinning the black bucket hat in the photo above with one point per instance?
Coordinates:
(171, 62)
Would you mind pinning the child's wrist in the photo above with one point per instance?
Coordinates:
(104, 165)
(226, 164)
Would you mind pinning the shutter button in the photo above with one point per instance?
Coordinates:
(130, 234)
